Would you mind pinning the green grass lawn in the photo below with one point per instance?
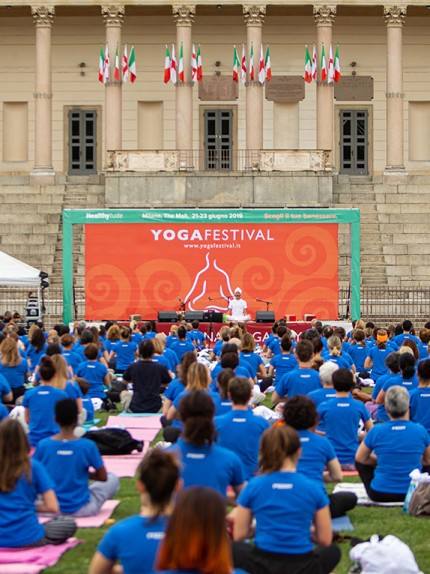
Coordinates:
(367, 521)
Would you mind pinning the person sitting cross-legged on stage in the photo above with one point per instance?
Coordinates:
(237, 308)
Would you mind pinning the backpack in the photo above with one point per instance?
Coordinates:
(114, 441)
(419, 504)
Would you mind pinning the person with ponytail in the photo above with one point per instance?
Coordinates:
(133, 543)
(203, 462)
(23, 481)
(196, 538)
(39, 403)
(334, 354)
(285, 505)
(406, 376)
(420, 405)
(378, 355)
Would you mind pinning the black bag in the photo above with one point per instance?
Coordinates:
(115, 389)
(114, 441)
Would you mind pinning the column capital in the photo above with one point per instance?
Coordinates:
(113, 15)
(324, 15)
(395, 15)
(254, 15)
(43, 15)
(183, 14)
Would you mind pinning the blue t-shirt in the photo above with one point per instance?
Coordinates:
(340, 360)
(3, 411)
(409, 383)
(240, 431)
(379, 357)
(93, 372)
(209, 465)
(359, 354)
(381, 413)
(317, 451)
(174, 389)
(399, 446)
(239, 371)
(134, 542)
(125, 354)
(197, 336)
(162, 360)
(41, 403)
(19, 525)
(34, 355)
(284, 363)
(341, 417)
(420, 406)
(68, 463)
(423, 350)
(4, 386)
(72, 359)
(398, 339)
(181, 347)
(298, 382)
(15, 376)
(284, 505)
(87, 404)
(171, 357)
(252, 360)
(320, 396)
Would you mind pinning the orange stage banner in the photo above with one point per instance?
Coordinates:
(144, 268)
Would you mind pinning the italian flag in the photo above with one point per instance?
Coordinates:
(199, 66)
(173, 77)
(262, 69)
(193, 65)
(314, 63)
(132, 66)
(323, 65)
(236, 65)
(101, 65)
(336, 65)
(181, 64)
(125, 65)
(251, 63)
(330, 67)
(268, 65)
(116, 73)
(167, 66)
(308, 67)
(106, 65)
(243, 66)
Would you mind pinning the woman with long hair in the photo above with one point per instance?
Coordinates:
(358, 349)
(179, 384)
(405, 378)
(13, 367)
(198, 379)
(420, 406)
(334, 346)
(39, 403)
(63, 381)
(22, 481)
(133, 542)
(285, 504)
(36, 349)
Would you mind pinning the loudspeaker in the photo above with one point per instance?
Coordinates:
(265, 317)
(167, 317)
(193, 316)
(213, 317)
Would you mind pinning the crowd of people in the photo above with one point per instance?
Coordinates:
(248, 479)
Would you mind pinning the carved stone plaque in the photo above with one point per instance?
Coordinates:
(218, 89)
(285, 89)
(354, 88)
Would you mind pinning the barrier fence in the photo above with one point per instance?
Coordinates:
(379, 304)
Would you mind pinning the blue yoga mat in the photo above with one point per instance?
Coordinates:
(341, 524)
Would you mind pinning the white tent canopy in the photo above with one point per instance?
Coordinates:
(14, 272)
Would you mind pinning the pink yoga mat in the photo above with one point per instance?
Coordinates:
(33, 560)
(135, 422)
(91, 521)
(124, 466)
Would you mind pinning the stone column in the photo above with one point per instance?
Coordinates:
(254, 18)
(183, 16)
(394, 19)
(324, 17)
(43, 19)
(113, 17)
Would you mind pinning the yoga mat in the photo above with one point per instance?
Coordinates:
(350, 472)
(124, 466)
(124, 414)
(106, 512)
(149, 422)
(363, 500)
(33, 560)
(342, 523)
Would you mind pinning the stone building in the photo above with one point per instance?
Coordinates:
(68, 140)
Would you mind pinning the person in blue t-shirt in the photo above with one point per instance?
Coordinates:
(392, 364)
(279, 492)
(302, 380)
(39, 404)
(202, 546)
(341, 418)
(423, 345)
(317, 461)
(285, 362)
(87, 403)
(405, 378)
(197, 337)
(203, 462)
(78, 455)
(248, 356)
(36, 349)
(182, 345)
(240, 430)
(407, 329)
(133, 542)
(391, 451)
(94, 372)
(378, 355)
(420, 397)
(358, 349)
(224, 405)
(178, 385)
(125, 351)
(13, 367)
(25, 488)
(72, 358)
(6, 395)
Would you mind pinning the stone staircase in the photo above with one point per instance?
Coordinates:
(361, 194)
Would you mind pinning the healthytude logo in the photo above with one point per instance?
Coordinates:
(103, 215)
